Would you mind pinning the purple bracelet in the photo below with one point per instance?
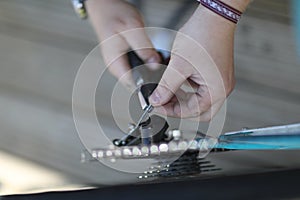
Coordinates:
(222, 9)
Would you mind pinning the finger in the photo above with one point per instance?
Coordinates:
(194, 106)
(205, 117)
(113, 52)
(141, 44)
(168, 109)
(210, 113)
(191, 108)
(196, 103)
(174, 76)
(191, 84)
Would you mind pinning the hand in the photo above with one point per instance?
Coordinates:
(203, 55)
(112, 18)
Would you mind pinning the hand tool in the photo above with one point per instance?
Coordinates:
(144, 92)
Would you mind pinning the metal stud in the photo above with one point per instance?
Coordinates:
(136, 151)
(173, 146)
(182, 145)
(94, 154)
(154, 149)
(127, 152)
(109, 153)
(145, 150)
(100, 154)
(163, 148)
(118, 153)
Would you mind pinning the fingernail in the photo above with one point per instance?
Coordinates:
(154, 59)
(154, 62)
(155, 98)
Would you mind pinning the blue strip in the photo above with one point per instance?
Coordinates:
(296, 20)
(259, 142)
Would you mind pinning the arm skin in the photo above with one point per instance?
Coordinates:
(216, 35)
(111, 18)
(212, 32)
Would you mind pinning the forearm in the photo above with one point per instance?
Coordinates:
(110, 17)
(204, 15)
(97, 15)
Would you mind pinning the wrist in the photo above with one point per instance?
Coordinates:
(228, 9)
(205, 16)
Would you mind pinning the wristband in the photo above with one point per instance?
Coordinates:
(222, 9)
(79, 8)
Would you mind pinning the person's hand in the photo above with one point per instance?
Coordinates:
(111, 17)
(202, 55)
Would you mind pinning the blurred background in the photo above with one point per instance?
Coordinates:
(42, 44)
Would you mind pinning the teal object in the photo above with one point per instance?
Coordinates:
(295, 4)
(272, 142)
(269, 138)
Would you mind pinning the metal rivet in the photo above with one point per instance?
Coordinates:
(136, 151)
(94, 154)
(173, 146)
(182, 145)
(100, 154)
(118, 153)
(145, 150)
(109, 153)
(127, 152)
(163, 148)
(154, 149)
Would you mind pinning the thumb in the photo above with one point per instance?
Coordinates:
(175, 75)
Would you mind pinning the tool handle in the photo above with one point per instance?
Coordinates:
(147, 90)
(134, 60)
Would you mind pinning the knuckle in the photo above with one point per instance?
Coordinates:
(120, 25)
(205, 118)
(145, 54)
(117, 25)
(196, 112)
(205, 103)
(166, 86)
(134, 23)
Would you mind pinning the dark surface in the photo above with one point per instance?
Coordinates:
(276, 185)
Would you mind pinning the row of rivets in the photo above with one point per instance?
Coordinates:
(154, 150)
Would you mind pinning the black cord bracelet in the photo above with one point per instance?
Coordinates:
(222, 9)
